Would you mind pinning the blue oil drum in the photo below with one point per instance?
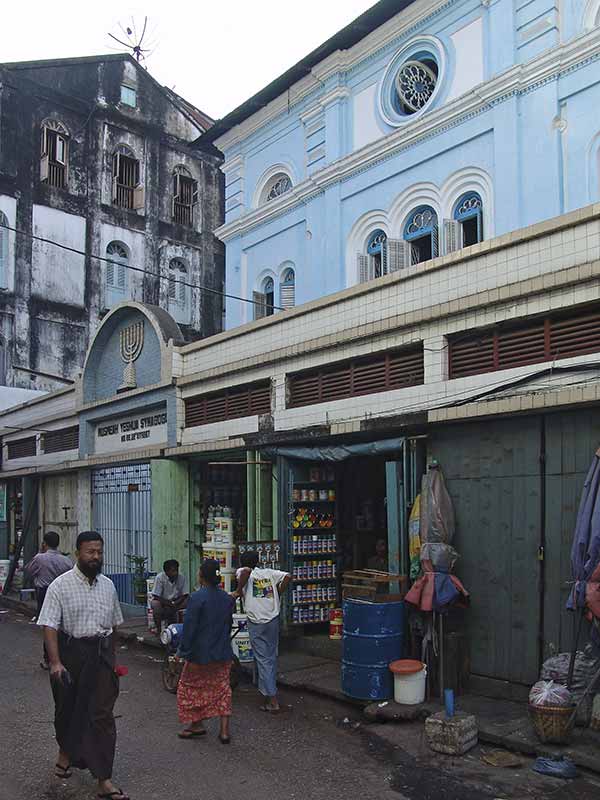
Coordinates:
(373, 638)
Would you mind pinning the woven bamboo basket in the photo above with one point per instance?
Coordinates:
(552, 725)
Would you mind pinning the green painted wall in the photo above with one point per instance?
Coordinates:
(171, 516)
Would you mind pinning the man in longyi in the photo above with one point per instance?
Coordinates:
(79, 616)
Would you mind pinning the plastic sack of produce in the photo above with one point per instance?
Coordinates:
(556, 669)
(437, 512)
(549, 693)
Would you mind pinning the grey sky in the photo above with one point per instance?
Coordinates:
(216, 54)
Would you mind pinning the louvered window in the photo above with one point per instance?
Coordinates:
(63, 439)
(287, 289)
(22, 448)
(378, 373)
(117, 255)
(530, 341)
(239, 401)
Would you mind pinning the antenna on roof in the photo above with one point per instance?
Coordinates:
(131, 41)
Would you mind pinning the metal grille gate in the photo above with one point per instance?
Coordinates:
(122, 514)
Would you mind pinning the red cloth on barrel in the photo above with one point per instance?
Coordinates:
(421, 594)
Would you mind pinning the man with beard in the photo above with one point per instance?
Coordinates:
(79, 616)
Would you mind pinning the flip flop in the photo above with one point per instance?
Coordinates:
(280, 710)
(113, 795)
(189, 734)
(64, 773)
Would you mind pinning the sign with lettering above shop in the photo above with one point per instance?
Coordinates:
(132, 432)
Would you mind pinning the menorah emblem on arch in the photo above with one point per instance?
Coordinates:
(132, 342)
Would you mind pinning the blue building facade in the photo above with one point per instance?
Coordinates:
(423, 128)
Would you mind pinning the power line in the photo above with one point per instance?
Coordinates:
(140, 269)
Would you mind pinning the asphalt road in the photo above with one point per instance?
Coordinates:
(310, 754)
(297, 756)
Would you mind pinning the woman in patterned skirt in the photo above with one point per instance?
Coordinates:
(204, 689)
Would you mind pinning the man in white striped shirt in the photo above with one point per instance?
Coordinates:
(79, 616)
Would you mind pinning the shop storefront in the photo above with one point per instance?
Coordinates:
(343, 508)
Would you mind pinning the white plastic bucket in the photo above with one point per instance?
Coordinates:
(409, 690)
(241, 641)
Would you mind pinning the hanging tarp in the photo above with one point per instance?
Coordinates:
(337, 452)
(585, 552)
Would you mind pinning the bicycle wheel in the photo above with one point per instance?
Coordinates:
(171, 671)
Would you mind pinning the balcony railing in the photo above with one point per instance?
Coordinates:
(123, 196)
(56, 175)
(183, 214)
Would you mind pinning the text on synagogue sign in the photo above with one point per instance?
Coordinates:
(144, 429)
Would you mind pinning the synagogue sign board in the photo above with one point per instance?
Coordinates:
(131, 432)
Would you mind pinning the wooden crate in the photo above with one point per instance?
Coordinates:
(368, 584)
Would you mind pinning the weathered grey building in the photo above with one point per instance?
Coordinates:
(96, 156)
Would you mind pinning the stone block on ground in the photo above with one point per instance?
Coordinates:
(389, 711)
(454, 736)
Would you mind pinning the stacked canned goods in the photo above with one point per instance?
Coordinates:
(302, 615)
(314, 593)
(314, 570)
(317, 544)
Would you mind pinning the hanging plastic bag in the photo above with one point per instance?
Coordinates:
(437, 511)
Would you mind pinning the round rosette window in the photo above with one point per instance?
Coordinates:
(411, 81)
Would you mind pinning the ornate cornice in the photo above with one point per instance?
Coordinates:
(519, 80)
(402, 25)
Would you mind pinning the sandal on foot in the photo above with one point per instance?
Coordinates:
(63, 772)
(188, 733)
(225, 739)
(118, 794)
(280, 710)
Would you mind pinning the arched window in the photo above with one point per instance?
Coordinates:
(116, 273)
(279, 184)
(376, 250)
(468, 214)
(264, 301)
(287, 289)
(179, 291)
(185, 196)
(54, 154)
(127, 191)
(382, 256)
(3, 251)
(421, 232)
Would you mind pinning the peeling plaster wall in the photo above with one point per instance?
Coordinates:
(56, 299)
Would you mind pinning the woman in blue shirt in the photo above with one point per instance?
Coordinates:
(204, 689)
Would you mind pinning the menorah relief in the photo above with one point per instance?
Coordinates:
(132, 342)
